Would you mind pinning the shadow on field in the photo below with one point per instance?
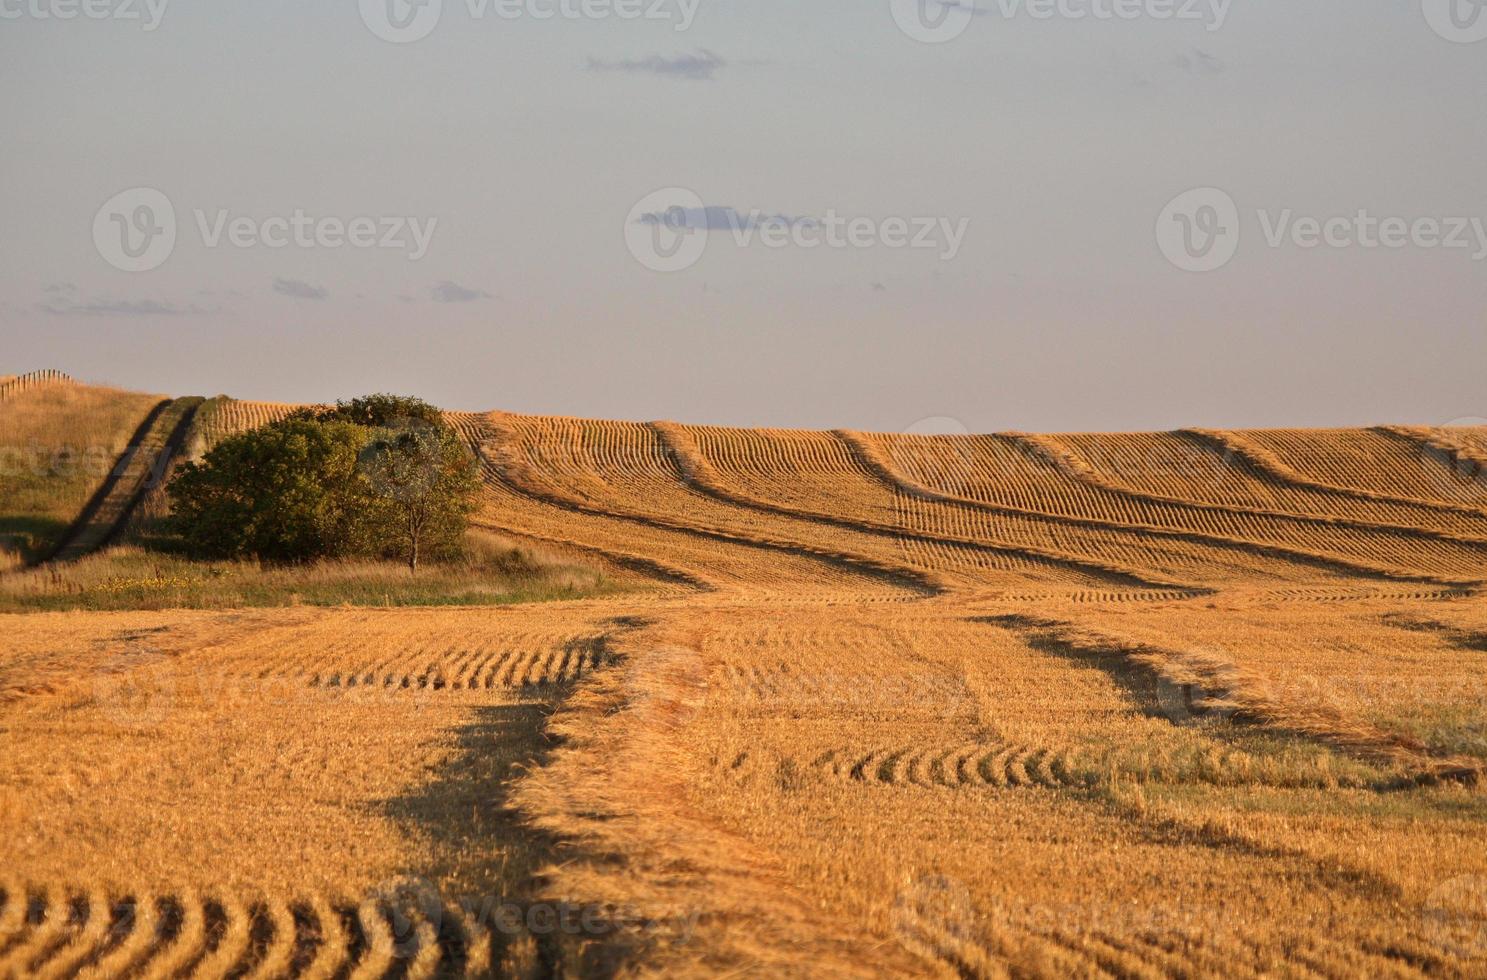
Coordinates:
(485, 857)
(1143, 689)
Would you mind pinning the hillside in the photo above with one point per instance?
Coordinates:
(1198, 703)
(61, 443)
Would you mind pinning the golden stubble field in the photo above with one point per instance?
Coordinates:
(1183, 704)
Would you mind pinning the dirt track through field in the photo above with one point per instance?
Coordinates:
(140, 471)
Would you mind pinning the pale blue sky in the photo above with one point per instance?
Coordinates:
(1059, 141)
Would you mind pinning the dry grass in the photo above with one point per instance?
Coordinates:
(277, 772)
(57, 445)
(1191, 704)
(497, 571)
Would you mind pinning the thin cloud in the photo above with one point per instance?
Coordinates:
(299, 289)
(1199, 62)
(120, 307)
(453, 292)
(701, 66)
(716, 218)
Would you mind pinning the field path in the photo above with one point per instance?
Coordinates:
(140, 470)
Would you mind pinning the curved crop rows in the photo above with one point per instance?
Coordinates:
(54, 930)
(1009, 705)
(1007, 766)
(1186, 466)
(1015, 514)
(228, 416)
(786, 470)
(977, 472)
(978, 482)
(711, 559)
(1407, 474)
(1323, 532)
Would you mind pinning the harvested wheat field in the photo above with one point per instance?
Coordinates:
(1183, 704)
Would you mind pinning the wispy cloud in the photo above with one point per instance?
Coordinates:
(1199, 62)
(453, 292)
(716, 218)
(119, 307)
(299, 289)
(700, 66)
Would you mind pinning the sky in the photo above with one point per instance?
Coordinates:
(1065, 219)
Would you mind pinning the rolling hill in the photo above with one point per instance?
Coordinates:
(1195, 703)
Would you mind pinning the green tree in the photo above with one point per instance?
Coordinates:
(399, 483)
(285, 492)
(378, 412)
(425, 478)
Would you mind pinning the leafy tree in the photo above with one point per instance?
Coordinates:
(381, 476)
(425, 478)
(378, 412)
(285, 492)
